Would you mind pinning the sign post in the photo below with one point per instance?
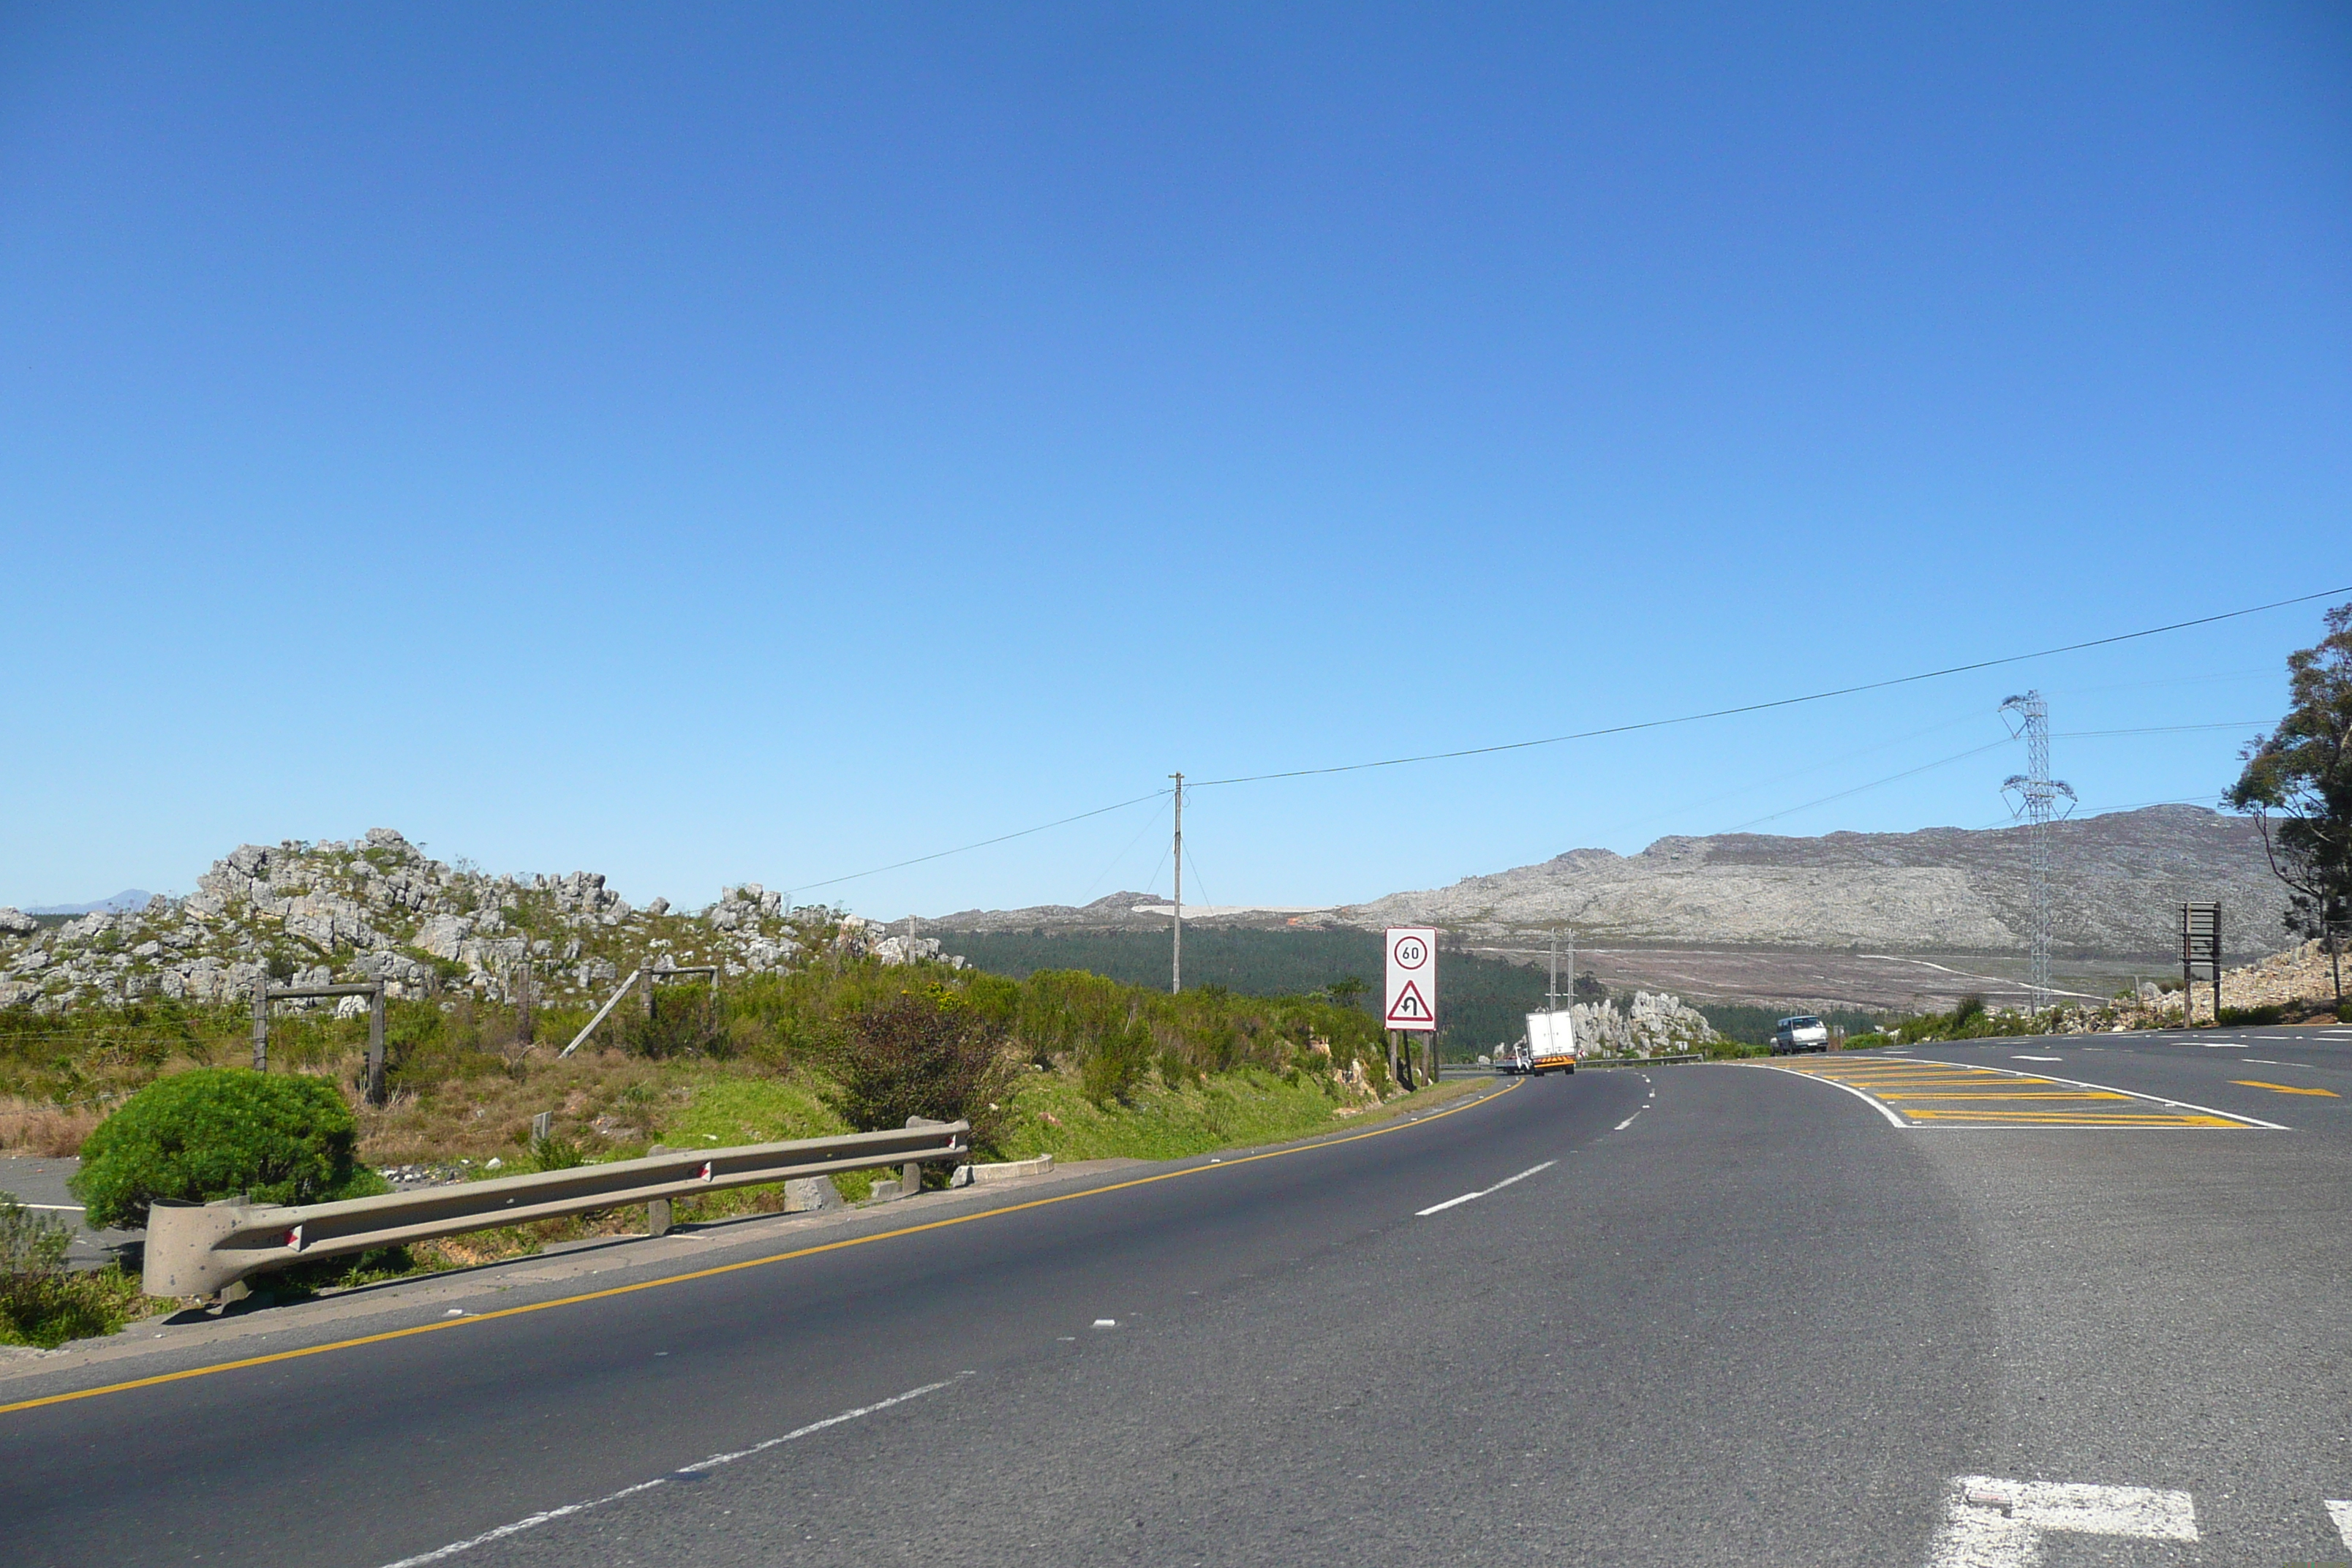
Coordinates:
(1412, 993)
(2200, 957)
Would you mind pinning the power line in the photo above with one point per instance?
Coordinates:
(1779, 702)
(1974, 715)
(967, 848)
(2155, 730)
(1104, 875)
(1594, 734)
(1923, 767)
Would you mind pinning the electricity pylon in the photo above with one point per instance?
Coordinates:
(2038, 795)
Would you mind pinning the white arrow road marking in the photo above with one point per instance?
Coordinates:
(2341, 1514)
(1498, 1186)
(1989, 1522)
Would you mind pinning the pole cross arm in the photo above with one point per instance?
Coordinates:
(199, 1249)
(291, 992)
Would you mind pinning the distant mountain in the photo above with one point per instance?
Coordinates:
(2116, 882)
(122, 903)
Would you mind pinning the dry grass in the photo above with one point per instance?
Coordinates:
(26, 1128)
(603, 1100)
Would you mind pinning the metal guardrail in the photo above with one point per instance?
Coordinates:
(200, 1249)
(1638, 1062)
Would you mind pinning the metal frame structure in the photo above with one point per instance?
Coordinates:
(2200, 957)
(264, 994)
(2038, 794)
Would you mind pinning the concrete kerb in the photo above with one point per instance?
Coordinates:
(329, 1314)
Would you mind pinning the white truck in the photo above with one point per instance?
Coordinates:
(1551, 1043)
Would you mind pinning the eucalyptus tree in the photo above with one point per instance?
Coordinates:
(2297, 787)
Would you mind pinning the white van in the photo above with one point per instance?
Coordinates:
(1802, 1033)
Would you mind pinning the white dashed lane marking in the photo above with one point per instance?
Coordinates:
(1498, 1186)
(684, 1472)
(1993, 1522)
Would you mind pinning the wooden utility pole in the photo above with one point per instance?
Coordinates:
(261, 1021)
(1176, 979)
(376, 1045)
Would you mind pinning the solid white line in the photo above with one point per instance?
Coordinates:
(1498, 1186)
(712, 1463)
(2110, 1089)
(2341, 1514)
(1879, 1107)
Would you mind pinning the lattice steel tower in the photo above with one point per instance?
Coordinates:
(2038, 795)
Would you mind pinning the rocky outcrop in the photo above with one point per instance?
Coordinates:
(378, 908)
(2300, 979)
(1651, 1025)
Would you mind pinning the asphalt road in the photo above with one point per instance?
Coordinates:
(1723, 1315)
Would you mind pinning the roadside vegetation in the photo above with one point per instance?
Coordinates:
(44, 1304)
(158, 1100)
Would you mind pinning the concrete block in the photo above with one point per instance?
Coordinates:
(1010, 1170)
(808, 1195)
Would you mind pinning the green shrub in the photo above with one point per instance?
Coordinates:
(1113, 1067)
(553, 1153)
(30, 1242)
(2266, 1015)
(40, 1303)
(923, 1054)
(680, 1023)
(218, 1132)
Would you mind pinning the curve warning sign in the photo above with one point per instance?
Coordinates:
(1412, 979)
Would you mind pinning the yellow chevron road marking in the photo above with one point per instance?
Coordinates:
(1947, 1094)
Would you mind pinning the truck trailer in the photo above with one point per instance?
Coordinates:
(1551, 1043)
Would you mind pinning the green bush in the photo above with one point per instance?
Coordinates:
(40, 1303)
(30, 1242)
(680, 1023)
(2242, 1015)
(1112, 1067)
(553, 1153)
(216, 1133)
(923, 1054)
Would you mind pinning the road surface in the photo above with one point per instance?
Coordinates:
(1958, 1309)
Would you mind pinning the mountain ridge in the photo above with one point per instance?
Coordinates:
(2117, 881)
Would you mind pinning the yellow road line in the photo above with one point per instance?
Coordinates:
(2044, 1119)
(2076, 1094)
(2284, 1088)
(473, 1318)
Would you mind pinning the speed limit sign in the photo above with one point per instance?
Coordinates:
(1412, 978)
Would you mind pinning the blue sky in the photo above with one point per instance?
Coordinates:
(722, 443)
